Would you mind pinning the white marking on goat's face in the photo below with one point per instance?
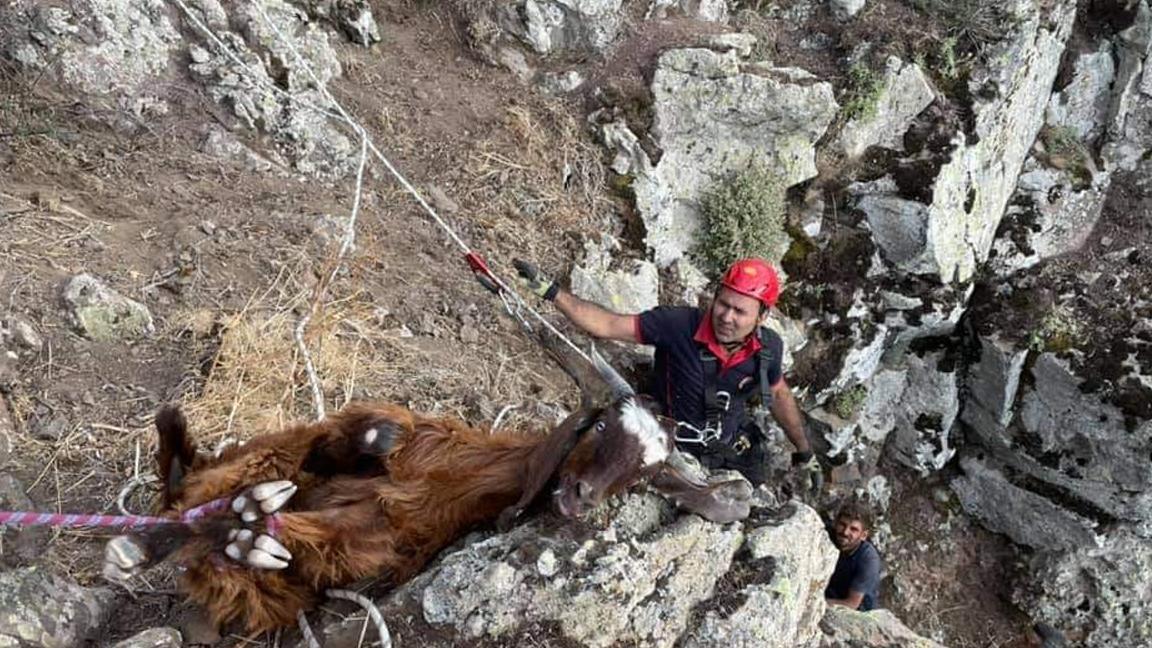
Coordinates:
(642, 424)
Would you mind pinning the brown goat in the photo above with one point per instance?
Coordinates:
(376, 490)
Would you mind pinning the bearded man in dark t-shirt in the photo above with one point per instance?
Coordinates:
(708, 364)
(856, 580)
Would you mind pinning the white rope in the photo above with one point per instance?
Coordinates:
(306, 630)
(370, 608)
(500, 416)
(342, 115)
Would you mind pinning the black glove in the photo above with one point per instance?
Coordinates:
(536, 281)
(810, 470)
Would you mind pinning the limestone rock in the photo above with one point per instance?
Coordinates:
(1093, 593)
(631, 289)
(707, 10)
(899, 225)
(993, 381)
(101, 48)
(550, 26)
(784, 606)
(845, 8)
(952, 233)
(1070, 441)
(639, 581)
(39, 609)
(153, 638)
(22, 545)
(928, 407)
(1029, 519)
(909, 410)
(1082, 106)
(1051, 214)
(353, 17)
(280, 108)
(905, 93)
(101, 313)
(714, 115)
(1129, 129)
(845, 628)
(223, 145)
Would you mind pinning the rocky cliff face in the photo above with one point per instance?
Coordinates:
(967, 249)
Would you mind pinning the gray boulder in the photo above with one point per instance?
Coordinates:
(1083, 105)
(153, 638)
(1130, 111)
(22, 545)
(1026, 517)
(784, 604)
(631, 288)
(268, 36)
(550, 26)
(1095, 593)
(648, 579)
(103, 314)
(115, 49)
(953, 233)
(1052, 213)
(708, 10)
(905, 93)
(714, 115)
(40, 609)
(845, 628)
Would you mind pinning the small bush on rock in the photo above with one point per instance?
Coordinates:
(847, 403)
(743, 217)
(862, 95)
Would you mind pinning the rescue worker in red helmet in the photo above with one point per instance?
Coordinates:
(708, 364)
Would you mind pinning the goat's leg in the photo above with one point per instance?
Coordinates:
(357, 444)
(340, 444)
(245, 538)
(127, 555)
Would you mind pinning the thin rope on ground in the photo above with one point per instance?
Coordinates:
(370, 608)
(306, 630)
(343, 116)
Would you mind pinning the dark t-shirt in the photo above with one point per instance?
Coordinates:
(857, 572)
(678, 377)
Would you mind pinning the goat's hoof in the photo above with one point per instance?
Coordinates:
(123, 558)
(378, 439)
(260, 551)
(266, 498)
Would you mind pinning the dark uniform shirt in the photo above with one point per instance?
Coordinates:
(680, 334)
(858, 571)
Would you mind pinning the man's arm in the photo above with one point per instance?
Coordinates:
(853, 600)
(787, 413)
(595, 320)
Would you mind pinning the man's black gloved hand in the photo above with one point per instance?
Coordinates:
(536, 281)
(809, 469)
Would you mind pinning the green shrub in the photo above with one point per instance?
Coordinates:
(862, 94)
(848, 402)
(1059, 331)
(743, 217)
(1066, 151)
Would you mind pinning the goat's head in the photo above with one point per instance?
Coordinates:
(600, 451)
(627, 442)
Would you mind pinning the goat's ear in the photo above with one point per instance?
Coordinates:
(722, 502)
(175, 451)
(546, 459)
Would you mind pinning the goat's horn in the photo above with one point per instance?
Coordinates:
(620, 387)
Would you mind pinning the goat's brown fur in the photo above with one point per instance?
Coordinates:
(439, 478)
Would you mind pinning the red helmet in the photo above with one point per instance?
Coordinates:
(754, 278)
